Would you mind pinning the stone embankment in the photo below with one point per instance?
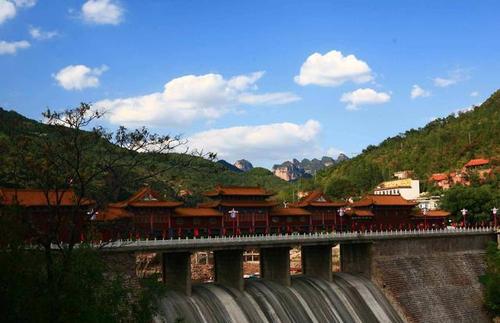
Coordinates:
(434, 280)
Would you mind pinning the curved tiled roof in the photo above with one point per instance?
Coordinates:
(145, 197)
(211, 204)
(439, 177)
(328, 204)
(477, 162)
(155, 204)
(434, 214)
(318, 198)
(385, 200)
(37, 197)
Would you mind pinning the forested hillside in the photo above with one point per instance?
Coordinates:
(186, 173)
(442, 145)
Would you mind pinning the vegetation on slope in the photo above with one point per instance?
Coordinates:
(442, 145)
(478, 199)
(491, 280)
(201, 175)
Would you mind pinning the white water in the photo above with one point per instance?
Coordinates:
(347, 299)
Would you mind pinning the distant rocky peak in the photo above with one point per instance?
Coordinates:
(341, 157)
(288, 171)
(292, 170)
(326, 159)
(243, 165)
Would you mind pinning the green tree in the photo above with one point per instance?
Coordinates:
(478, 201)
(69, 284)
(340, 188)
(491, 279)
(443, 145)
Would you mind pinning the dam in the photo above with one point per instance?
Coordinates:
(347, 298)
(398, 276)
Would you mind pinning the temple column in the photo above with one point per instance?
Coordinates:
(317, 261)
(275, 265)
(176, 270)
(229, 268)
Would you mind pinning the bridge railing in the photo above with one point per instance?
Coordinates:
(304, 237)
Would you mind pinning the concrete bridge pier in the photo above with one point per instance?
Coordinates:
(356, 258)
(176, 270)
(229, 268)
(275, 265)
(317, 261)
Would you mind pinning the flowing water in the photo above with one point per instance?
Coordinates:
(347, 299)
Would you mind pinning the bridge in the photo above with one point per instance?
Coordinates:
(273, 240)
(358, 251)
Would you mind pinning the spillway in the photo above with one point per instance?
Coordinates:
(348, 298)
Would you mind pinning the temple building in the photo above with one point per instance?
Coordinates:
(144, 214)
(195, 222)
(442, 180)
(289, 219)
(231, 211)
(382, 212)
(480, 167)
(249, 210)
(430, 219)
(245, 209)
(476, 164)
(43, 211)
(325, 213)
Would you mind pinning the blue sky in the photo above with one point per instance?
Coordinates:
(262, 80)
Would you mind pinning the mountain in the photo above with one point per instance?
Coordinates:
(442, 145)
(243, 165)
(229, 166)
(202, 175)
(290, 171)
(293, 170)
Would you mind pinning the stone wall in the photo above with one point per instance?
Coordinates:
(123, 264)
(432, 280)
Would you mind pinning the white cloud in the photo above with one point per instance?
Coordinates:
(12, 47)
(333, 69)
(7, 11)
(8, 8)
(455, 76)
(364, 96)
(417, 91)
(25, 3)
(444, 82)
(79, 77)
(474, 94)
(102, 12)
(187, 98)
(268, 98)
(270, 142)
(244, 82)
(39, 34)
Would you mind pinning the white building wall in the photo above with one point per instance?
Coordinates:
(409, 193)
